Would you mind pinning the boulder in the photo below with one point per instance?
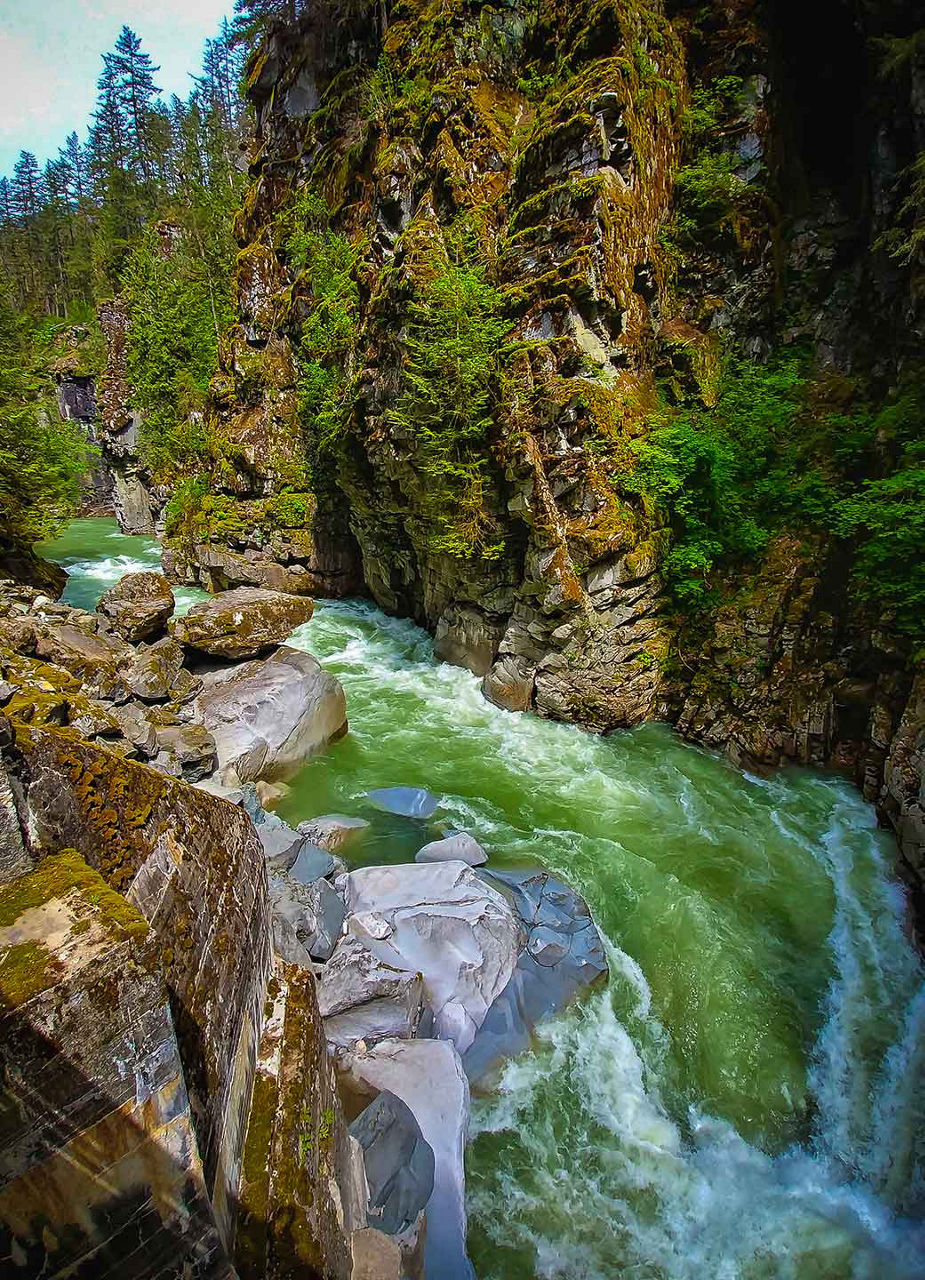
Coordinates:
(428, 1077)
(334, 831)
(563, 955)
(443, 922)
(241, 623)
(407, 802)
(307, 919)
(460, 847)
(399, 1163)
(269, 716)
(186, 751)
(137, 728)
(154, 670)
(77, 651)
(138, 605)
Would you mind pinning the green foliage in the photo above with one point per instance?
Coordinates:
(176, 316)
(446, 400)
(329, 333)
(782, 449)
(42, 458)
(385, 92)
(906, 240)
(886, 515)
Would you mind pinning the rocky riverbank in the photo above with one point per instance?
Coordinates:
(316, 1029)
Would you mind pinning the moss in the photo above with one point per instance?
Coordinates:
(26, 969)
(55, 876)
(254, 1199)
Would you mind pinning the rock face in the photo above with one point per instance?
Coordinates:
(267, 717)
(100, 1163)
(241, 623)
(138, 605)
(527, 544)
(303, 1189)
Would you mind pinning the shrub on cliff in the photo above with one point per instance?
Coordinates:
(42, 458)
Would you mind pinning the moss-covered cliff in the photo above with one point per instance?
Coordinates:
(586, 335)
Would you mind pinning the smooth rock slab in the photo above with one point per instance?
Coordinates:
(427, 1076)
(440, 920)
(270, 716)
(241, 623)
(460, 847)
(407, 802)
(138, 605)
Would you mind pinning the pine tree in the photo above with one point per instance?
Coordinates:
(133, 73)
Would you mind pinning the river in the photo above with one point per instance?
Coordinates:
(745, 1099)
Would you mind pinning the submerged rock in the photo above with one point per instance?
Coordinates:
(460, 847)
(269, 716)
(139, 605)
(407, 802)
(241, 623)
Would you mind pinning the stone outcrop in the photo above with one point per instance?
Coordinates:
(99, 1159)
(138, 605)
(258, 720)
(241, 623)
(268, 716)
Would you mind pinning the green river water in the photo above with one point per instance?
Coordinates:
(746, 1097)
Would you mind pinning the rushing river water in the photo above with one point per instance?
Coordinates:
(746, 1097)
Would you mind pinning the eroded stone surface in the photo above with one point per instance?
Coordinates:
(241, 623)
(271, 715)
(139, 605)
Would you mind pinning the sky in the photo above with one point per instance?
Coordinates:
(50, 61)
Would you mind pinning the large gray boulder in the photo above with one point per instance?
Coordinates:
(428, 1077)
(241, 623)
(460, 847)
(563, 955)
(363, 999)
(441, 921)
(155, 670)
(138, 605)
(270, 716)
(399, 1163)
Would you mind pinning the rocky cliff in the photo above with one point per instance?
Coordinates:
(502, 271)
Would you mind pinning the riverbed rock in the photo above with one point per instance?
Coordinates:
(138, 605)
(563, 955)
(186, 751)
(406, 802)
(427, 1076)
(399, 1163)
(439, 920)
(334, 831)
(241, 623)
(307, 919)
(154, 670)
(460, 847)
(270, 715)
(81, 653)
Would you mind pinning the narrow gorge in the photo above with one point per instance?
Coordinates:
(461, 695)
